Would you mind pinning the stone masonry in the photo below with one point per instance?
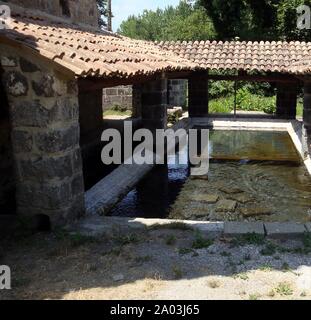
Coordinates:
(7, 180)
(125, 96)
(198, 95)
(154, 104)
(286, 100)
(44, 114)
(79, 11)
(117, 96)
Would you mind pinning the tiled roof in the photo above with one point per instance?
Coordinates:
(283, 57)
(89, 52)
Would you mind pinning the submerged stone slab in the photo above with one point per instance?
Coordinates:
(256, 211)
(285, 230)
(233, 229)
(231, 190)
(241, 198)
(208, 198)
(226, 206)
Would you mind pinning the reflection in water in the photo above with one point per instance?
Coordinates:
(253, 176)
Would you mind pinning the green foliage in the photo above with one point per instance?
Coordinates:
(103, 12)
(256, 19)
(184, 22)
(200, 242)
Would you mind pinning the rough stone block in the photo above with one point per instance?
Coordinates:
(45, 86)
(32, 114)
(58, 139)
(8, 62)
(22, 141)
(77, 185)
(44, 196)
(286, 230)
(16, 84)
(233, 229)
(47, 168)
(27, 66)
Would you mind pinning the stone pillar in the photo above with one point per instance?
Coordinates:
(177, 95)
(307, 118)
(44, 112)
(286, 100)
(136, 101)
(198, 95)
(91, 116)
(154, 104)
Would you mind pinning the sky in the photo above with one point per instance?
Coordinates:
(123, 8)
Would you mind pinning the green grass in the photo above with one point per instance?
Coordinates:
(112, 112)
(250, 238)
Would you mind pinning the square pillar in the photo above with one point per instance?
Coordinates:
(286, 100)
(44, 113)
(154, 104)
(307, 118)
(198, 95)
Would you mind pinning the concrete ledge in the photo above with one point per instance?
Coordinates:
(242, 228)
(287, 230)
(96, 226)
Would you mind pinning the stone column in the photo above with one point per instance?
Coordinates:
(154, 104)
(44, 112)
(136, 101)
(307, 118)
(177, 95)
(286, 100)
(198, 95)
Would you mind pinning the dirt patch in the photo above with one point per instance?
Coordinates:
(156, 264)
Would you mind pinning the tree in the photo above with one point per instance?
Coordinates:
(187, 21)
(103, 13)
(256, 19)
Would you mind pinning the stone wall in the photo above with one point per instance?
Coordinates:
(121, 96)
(125, 96)
(178, 92)
(7, 180)
(44, 112)
(79, 11)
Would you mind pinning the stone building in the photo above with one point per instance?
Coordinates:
(55, 63)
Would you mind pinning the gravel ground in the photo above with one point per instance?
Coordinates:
(159, 263)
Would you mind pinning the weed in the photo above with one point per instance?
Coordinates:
(284, 289)
(170, 240)
(247, 257)
(250, 238)
(184, 251)
(269, 250)
(200, 242)
(177, 272)
(124, 240)
(254, 296)
(225, 254)
(242, 276)
(214, 284)
(265, 268)
(143, 259)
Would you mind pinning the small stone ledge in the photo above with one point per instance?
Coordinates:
(286, 230)
(308, 226)
(233, 229)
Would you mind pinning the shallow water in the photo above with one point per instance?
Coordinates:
(253, 176)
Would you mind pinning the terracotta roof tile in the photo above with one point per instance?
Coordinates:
(89, 52)
(284, 57)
